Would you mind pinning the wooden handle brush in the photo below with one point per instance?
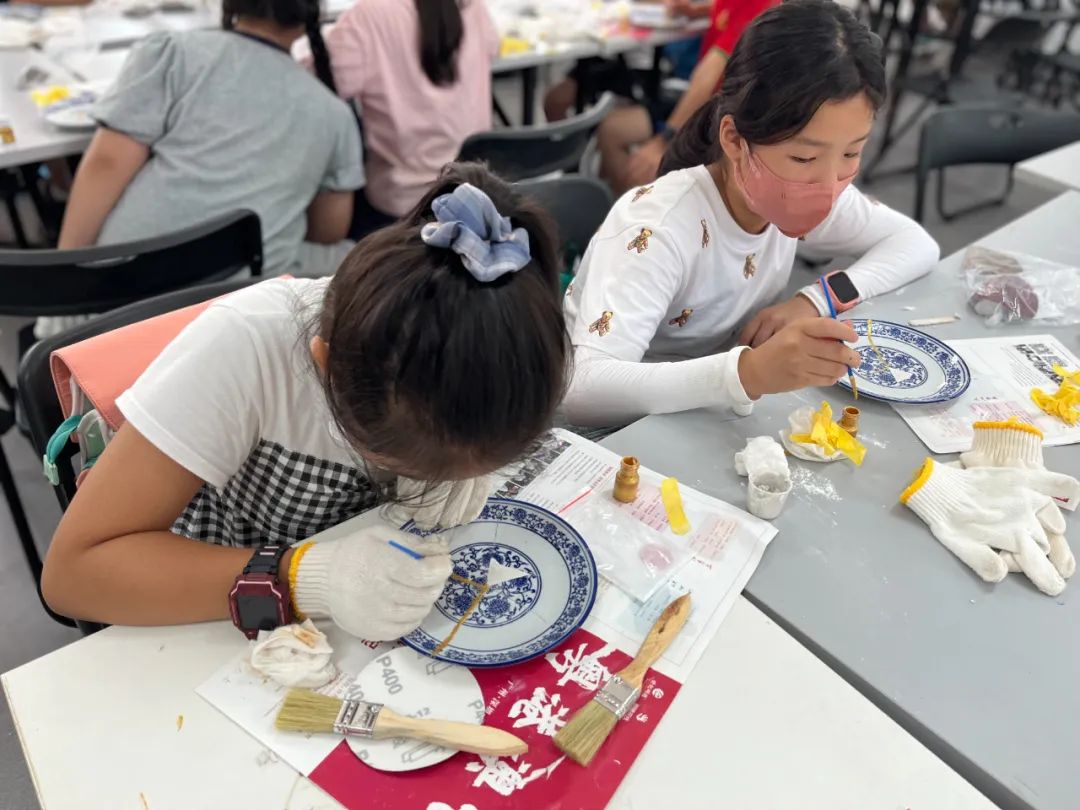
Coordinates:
(582, 737)
(311, 712)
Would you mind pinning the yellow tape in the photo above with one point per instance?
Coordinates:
(481, 591)
(1063, 403)
(673, 505)
(870, 340)
(830, 437)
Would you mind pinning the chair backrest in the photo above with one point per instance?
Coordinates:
(578, 205)
(963, 134)
(524, 152)
(34, 283)
(37, 394)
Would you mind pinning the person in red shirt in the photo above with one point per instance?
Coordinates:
(631, 140)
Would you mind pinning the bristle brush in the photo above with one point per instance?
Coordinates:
(582, 737)
(312, 713)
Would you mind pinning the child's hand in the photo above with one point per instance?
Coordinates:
(805, 353)
(772, 319)
(369, 588)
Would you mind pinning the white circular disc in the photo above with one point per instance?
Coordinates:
(414, 685)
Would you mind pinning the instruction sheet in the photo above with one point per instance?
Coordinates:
(574, 478)
(1003, 372)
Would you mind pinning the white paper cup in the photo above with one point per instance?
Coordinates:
(766, 493)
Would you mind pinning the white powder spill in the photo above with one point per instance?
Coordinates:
(872, 441)
(810, 486)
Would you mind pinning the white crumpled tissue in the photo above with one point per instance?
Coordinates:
(295, 655)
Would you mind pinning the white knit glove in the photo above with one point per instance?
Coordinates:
(1018, 445)
(444, 506)
(974, 512)
(367, 586)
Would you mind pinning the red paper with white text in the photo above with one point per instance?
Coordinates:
(532, 700)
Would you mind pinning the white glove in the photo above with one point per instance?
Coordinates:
(974, 512)
(1018, 445)
(367, 586)
(444, 506)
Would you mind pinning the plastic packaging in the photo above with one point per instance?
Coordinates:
(1004, 287)
(628, 553)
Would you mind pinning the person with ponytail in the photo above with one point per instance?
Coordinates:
(420, 72)
(676, 302)
(205, 122)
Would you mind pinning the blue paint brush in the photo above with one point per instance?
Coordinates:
(405, 550)
(832, 314)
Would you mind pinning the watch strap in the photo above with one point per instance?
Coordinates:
(266, 559)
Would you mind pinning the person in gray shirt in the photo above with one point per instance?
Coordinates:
(205, 122)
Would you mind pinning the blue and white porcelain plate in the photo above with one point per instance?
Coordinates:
(541, 580)
(912, 367)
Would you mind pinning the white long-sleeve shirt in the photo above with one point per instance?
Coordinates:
(670, 279)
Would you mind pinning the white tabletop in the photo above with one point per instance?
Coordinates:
(761, 723)
(35, 139)
(1058, 170)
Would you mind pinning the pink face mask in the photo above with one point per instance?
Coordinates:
(794, 208)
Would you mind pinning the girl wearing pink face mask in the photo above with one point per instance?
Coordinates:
(675, 305)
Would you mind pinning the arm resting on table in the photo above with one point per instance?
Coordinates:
(113, 558)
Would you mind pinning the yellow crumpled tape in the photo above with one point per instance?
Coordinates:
(50, 95)
(830, 437)
(1063, 403)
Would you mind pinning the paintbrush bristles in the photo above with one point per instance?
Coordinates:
(582, 737)
(308, 711)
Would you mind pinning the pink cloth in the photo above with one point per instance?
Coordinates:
(412, 128)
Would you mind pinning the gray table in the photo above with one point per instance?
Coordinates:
(986, 676)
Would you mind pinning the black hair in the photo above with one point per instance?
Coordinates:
(441, 29)
(288, 14)
(792, 59)
(429, 367)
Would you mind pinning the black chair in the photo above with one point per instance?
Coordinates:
(578, 205)
(978, 72)
(985, 134)
(37, 283)
(526, 152)
(37, 395)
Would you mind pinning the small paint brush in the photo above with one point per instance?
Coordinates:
(582, 737)
(312, 713)
(832, 314)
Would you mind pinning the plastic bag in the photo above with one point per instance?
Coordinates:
(633, 556)
(1004, 287)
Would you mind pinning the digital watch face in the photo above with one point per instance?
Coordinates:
(842, 288)
(257, 611)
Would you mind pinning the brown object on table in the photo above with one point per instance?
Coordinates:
(849, 421)
(627, 480)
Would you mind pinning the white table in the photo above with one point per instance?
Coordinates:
(760, 724)
(36, 140)
(1058, 170)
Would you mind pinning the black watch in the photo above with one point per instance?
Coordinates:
(258, 600)
(668, 133)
